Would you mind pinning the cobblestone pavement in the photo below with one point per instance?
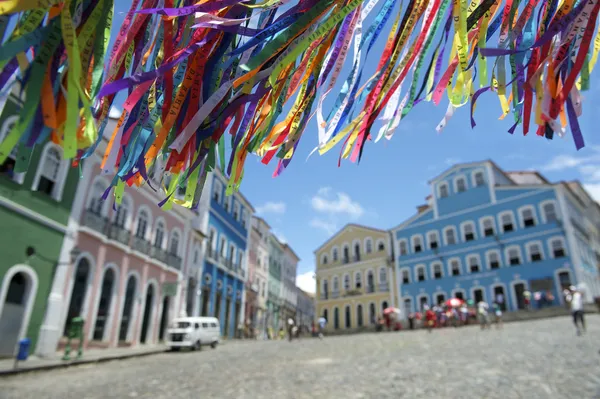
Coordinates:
(538, 359)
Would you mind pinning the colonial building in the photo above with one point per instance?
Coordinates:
(227, 223)
(305, 311)
(127, 279)
(485, 232)
(289, 294)
(274, 292)
(258, 275)
(354, 277)
(35, 210)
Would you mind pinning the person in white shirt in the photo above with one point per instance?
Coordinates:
(482, 314)
(575, 300)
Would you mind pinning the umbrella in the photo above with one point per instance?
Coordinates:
(454, 302)
(322, 320)
(390, 311)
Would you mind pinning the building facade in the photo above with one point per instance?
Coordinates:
(35, 208)
(485, 232)
(258, 275)
(305, 311)
(126, 282)
(227, 223)
(354, 277)
(289, 269)
(274, 291)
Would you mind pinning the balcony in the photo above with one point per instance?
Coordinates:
(118, 233)
(384, 287)
(94, 221)
(324, 296)
(174, 261)
(370, 289)
(354, 292)
(158, 254)
(141, 245)
(335, 294)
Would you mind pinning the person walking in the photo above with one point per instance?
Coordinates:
(290, 329)
(575, 300)
(322, 324)
(498, 314)
(482, 314)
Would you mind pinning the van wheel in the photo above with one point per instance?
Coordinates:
(197, 346)
(174, 349)
(214, 345)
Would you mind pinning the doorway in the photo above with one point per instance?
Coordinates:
(478, 295)
(20, 293)
(422, 303)
(218, 306)
(565, 280)
(348, 320)
(372, 314)
(127, 308)
(440, 299)
(226, 321)
(459, 295)
(500, 297)
(103, 313)
(147, 313)
(78, 292)
(238, 307)
(384, 305)
(205, 299)
(164, 319)
(407, 307)
(336, 318)
(519, 295)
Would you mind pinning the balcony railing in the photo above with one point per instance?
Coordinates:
(174, 261)
(335, 294)
(118, 233)
(158, 254)
(324, 296)
(384, 287)
(141, 245)
(354, 292)
(370, 289)
(94, 221)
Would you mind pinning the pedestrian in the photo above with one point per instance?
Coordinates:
(498, 314)
(411, 321)
(464, 314)
(482, 314)
(430, 317)
(290, 331)
(322, 324)
(527, 299)
(575, 299)
(500, 300)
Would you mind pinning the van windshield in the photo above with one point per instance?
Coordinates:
(182, 324)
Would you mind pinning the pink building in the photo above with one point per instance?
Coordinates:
(135, 264)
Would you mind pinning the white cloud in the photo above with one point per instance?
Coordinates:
(593, 190)
(279, 236)
(336, 203)
(271, 207)
(329, 227)
(561, 162)
(452, 161)
(588, 167)
(306, 282)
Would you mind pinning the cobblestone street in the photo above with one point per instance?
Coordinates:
(538, 359)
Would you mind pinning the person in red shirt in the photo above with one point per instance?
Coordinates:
(430, 318)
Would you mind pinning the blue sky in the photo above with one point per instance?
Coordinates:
(313, 199)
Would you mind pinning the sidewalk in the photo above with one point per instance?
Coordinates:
(35, 363)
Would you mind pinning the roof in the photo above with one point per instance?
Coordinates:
(456, 166)
(527, 177)
(360, 226)
(286, 246)
(262, 220)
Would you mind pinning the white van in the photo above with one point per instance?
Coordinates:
(193, 332)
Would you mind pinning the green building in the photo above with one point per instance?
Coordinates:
(34, 212)
(274, 292)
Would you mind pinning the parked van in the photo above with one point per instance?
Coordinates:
(193, 332)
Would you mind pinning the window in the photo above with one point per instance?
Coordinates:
(478, 179)
(380, 246)
(223, 247)
(514, 256)
(335, 254)
(417, 243)
(473, 262)
(8, 167)
(227, 203)
(159, 235)
(236, 211)
(142, 225)
(557, 248)
(432, 237)
(196, 256)
(535, 252)
(346, 254)
(336, 284)
(324, 259)
(369, 246)
(403, 247)
(122, 213)
(437, 271)
(382, 275)
(549, 212)
(469, 231)
(174, 245)
(357, 280)
(357, 252)
(507, 222)
(493, 258)
(405, 277)
(324, 288)
(527, 217)
(51, 170)
(460, 184)
(346, 282)
(487, 225)
(217, 191)
(244, 218)
(450, 235)
(420, 273)
(443, 190)
(455, 267)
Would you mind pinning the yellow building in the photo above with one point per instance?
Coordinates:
(355, 277)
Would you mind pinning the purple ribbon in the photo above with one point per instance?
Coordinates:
(213, 5)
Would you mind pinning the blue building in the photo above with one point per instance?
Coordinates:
(226, 219)
(485, 232)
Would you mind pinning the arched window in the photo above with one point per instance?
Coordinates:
(468, 231)
(324, 259)
(437, 271)
(473, 262)
(370, 281)
(443, 190)
(549, 212)
(534, 251)
(122, 213)
(174, 244)
(159, 235)
(346, 254)
(460, 184)
(359, 315)
(487, 225)
(382, 275)
(336, 284)
(478, 179)
(142, 225)
(405, 276)
(420, 273)
(403, 247)
(346, 282)
(8, 166)
(51, 171)
(357, 280)
(557, 246)
(514, 255)
(357, 252)
(507, 222)
(432, 238)
(455, 267)
(493, 258)
(450, 235)
(380, 246)
(368, 245)
(348, 317)
(336, 318)
(417, 243)
(335, 254)
(95, 198)
(527, 216)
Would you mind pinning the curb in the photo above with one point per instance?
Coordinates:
(48, 367)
